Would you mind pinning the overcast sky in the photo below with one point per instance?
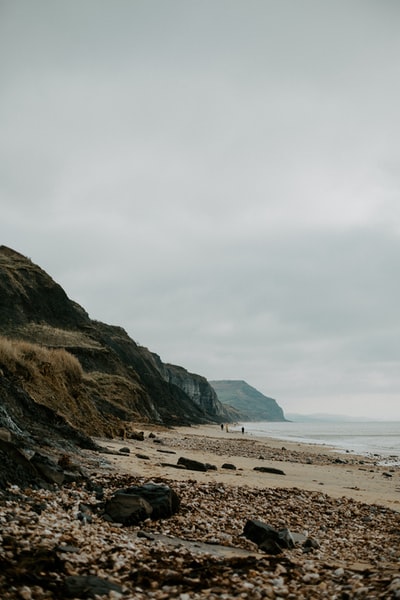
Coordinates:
(218, 177)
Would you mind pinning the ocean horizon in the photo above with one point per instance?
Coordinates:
(368, 438)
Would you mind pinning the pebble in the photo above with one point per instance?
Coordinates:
(357, 555)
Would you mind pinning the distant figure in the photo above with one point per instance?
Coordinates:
(226, 428)
(242, 429)
(222, 426)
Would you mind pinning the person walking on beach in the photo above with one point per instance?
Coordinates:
(222, 426)
(242, 429)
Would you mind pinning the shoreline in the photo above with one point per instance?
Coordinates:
(309, 467)
(340, 521)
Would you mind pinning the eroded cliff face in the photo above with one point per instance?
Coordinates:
(121, 381)
(196, 387)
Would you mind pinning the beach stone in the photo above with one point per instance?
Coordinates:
(127, 509)
(193, 465)
(124, 450)
(228, 466)
(211, 467)
(269, 470)
(136, 435)
(48, 468)
(268, 538)
(89, 586)
(132, 505)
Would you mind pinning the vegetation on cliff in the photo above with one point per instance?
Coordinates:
(93, 375)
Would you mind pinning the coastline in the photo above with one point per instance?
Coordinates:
(310, 467)
(341, 521)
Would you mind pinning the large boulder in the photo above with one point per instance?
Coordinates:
(131, 505)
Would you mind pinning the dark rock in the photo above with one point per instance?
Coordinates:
(132, 505)
(195, 465)
(267, 538)
(124, 450)
(142, 456)
(152, 435)
(311, 544)
(73, 476)
(127, 509)
(269, 470)
(88, 586)
(48, 468)
(16, 468)
(136, 435)
(228, 466)
(96, 488)
(166, 451)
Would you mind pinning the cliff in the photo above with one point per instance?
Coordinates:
(251, 403)
(196, 387)
(120, 381)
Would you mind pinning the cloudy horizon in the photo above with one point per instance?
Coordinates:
(220, 178)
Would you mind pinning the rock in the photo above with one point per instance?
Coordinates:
(136, 435)
(311, 544)
(267, 538)
(127, 509)
(195, 465)
(166, 451)
(152, 435)
(142, 456)
(89, 586)
(48, 468)
(269, 470)
(16, 468)
(124, 450)
(228, 466)
(132, 505)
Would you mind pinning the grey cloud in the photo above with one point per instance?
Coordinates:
(219, 178)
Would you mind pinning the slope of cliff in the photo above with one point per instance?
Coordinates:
(119, 383)
(251, 403)
(196, 387)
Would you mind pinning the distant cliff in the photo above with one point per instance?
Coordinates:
(197, 388)
(251, 403)
(121, 382)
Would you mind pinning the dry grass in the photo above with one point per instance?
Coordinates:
(42, 333)
(33, 362)
(54, 378)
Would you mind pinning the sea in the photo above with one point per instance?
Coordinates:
(379, 439)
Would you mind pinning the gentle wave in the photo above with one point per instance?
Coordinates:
(381, 439)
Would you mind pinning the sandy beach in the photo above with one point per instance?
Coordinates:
(307, 467)
(339, 514)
